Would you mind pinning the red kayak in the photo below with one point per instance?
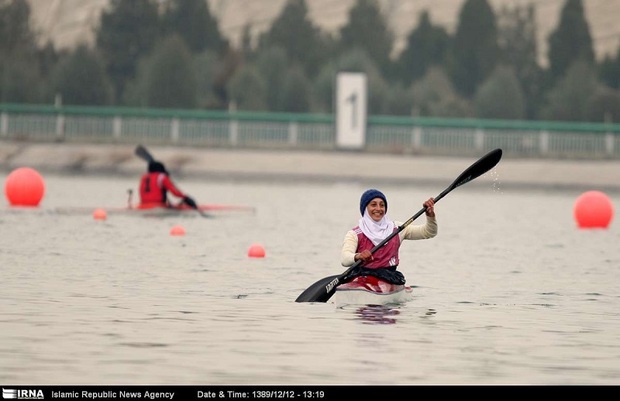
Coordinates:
(206, 210)
(209, 207)
(370, 290)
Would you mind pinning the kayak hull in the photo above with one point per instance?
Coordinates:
(210, 207)
(159, 210)
(370, 290)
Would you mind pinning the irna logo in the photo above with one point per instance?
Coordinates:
(21, 394)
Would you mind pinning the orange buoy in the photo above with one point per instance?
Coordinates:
(100, 214)
(593, 209)
(177, 230)
(256, 251)
(24, 187)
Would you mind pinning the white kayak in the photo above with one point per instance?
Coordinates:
(370, 290)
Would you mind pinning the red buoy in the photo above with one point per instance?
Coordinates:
(593, 209)
(177, 231)
(24, 187)
(256, 251)
(100, 214)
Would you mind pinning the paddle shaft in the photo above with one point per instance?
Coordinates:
(322, 290)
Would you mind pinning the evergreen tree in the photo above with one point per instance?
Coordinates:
(207, 66)
(247, 50)
(367, 29)
(296, 92)
(567, 100)
(272, 64)
(399, 100)
(603, 106)
(136, 89)
(248, 90)
(500, 96)
(16, 34)
(609, 70)
(570, 41)
(323, 88)
(128, 30)
(80, 79)
(21, 79)
(192, 20)
(517, 41)
(171, 79)
(228, 65)
(475, 49)
(435, 96)
(427, 45)
(294, 32)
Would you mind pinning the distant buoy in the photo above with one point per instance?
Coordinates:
(256, 251)
(24, 187)
(593, 209)
(177, 230)
(100, 214)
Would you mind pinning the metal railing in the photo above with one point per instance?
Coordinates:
(384, 134)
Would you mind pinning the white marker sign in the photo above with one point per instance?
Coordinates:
(351, 102)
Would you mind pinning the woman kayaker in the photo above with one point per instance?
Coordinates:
(154, 187)
(374, 227)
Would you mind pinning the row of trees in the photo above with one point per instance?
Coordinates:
(171, 54)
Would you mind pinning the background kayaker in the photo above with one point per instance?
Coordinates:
(155, 184)
(374, 227)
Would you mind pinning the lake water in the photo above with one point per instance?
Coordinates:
(509, 292)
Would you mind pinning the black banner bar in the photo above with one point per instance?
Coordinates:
(174, 392)
(240, 392)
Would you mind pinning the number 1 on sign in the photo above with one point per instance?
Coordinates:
(353, 101)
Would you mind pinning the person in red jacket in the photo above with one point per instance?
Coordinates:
(155, 185)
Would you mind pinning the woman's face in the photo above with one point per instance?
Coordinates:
(376, 209)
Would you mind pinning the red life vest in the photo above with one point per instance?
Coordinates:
(154, 188)
(386, 256)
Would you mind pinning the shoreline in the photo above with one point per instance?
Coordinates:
(261, 165)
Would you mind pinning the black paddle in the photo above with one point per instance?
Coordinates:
(146, 156)
(322, 290)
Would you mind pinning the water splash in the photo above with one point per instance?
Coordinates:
(496, 181)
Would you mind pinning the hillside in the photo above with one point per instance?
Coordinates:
(68, 22)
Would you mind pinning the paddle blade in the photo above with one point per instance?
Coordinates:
(484, 164)
(481, 166)
(144, 154)
(321, 291)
